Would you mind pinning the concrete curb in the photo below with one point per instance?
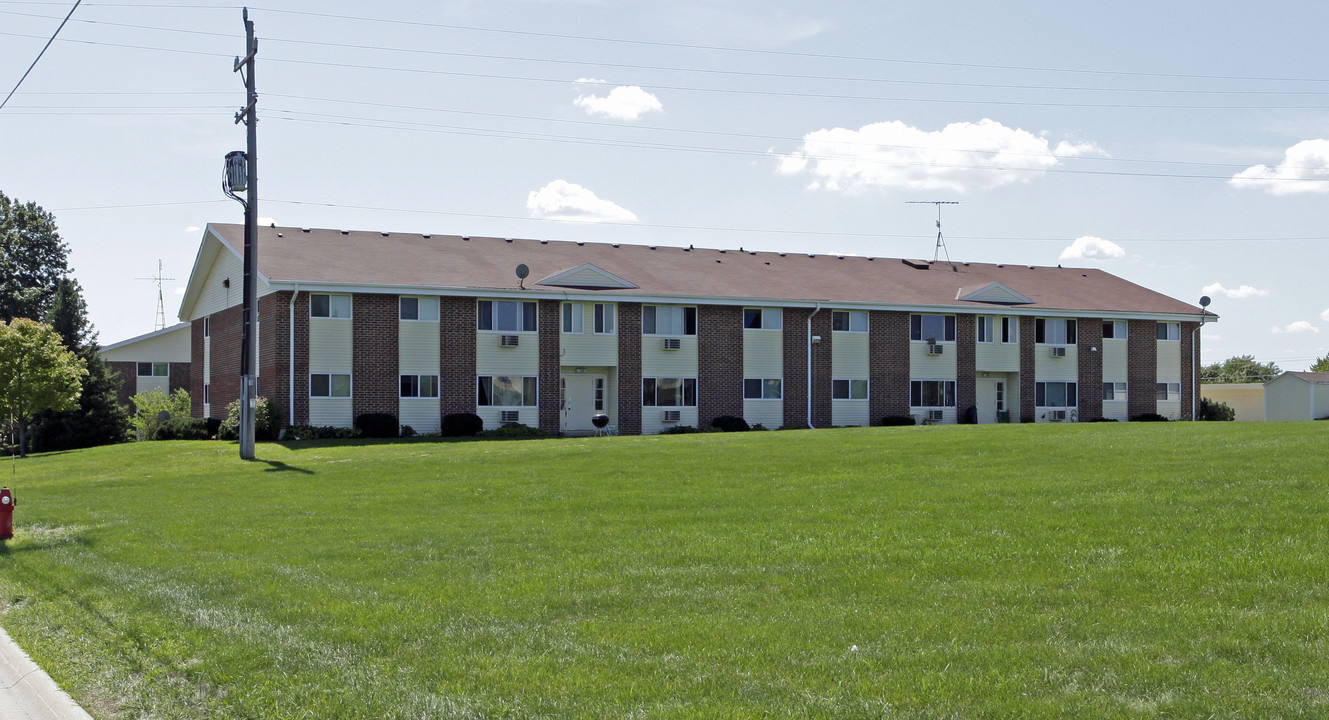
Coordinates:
(27, 692)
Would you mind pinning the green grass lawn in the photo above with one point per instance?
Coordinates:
(1073, 571)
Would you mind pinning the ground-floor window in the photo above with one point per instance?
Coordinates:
(669, 392)
(1169, 391)
(849, 389)
(1055, 394)
(932, 393)
(506, 391)
(763, 388)
(419, 386)
(1114, 391)
(330, 385)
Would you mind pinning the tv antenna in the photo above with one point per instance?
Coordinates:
(941, 244)
(161, 306)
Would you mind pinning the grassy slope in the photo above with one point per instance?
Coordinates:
(1107, 571)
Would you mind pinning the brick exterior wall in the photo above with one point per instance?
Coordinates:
(274, 359)
(1090, 335)
(719, 362)
(1141, 367)
(795, 367)
(629, 368)
(196, 359)
(375, 384)
(129, 384)
(1189, 352)
(550, 365)
(457, 373)
(888, 351)
(821, 370)
(966, 367)
(1028, 395)
(225, 328)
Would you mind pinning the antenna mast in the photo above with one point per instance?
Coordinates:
(161, 306)
(941, 244)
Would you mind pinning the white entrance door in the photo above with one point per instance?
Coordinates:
(989, 399)
(583, 397)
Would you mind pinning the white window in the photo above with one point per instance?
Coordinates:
(763, 388)
(992, 329)
(574, 315)
(507, 316)
(154, 369)
(1114, 392)
(419, 386)
(1055, 394)
(329, 385)
(329, 306)
(1114, 329)
(932, 328)
(931, 393)
(604, 318)
(1169, 391)
(849, 321)
(207, 327)
(668, 320)
(507, 391)
(1010, 330)
(1169, 331)
(599, 394)
(1054, 331)
(763, 319)
(418, 308)
(986, 325)
(669, 392)
(850, 389)
(207, 392)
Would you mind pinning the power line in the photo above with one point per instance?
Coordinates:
(39, 55)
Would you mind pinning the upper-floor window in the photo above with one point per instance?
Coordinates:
(154, 369)
(1054, 331)
(668, 320)
(574, 315)
(507, 316)
(604, 318)
(763, 319)
(1114, 329)
(998, 329)
(933, 328)
(417, 308)
(849, 321)
(329, 306)
(1169, 331)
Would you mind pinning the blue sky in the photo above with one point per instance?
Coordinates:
(1181, 145)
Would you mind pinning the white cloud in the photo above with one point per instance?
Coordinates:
(591, 81)
(1210, 336)
(1093, 248)
(1305, 169)
(1300, 327)
(1325, 315)
(1066, 148)
(192, 229)
(562, 200)
(625, 102)
(959, 157)
(1240, 292)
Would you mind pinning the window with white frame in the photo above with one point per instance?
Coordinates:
(329, 385)
(507, 316)
(994, 329)
(419, 386)
(986, 326)
(1114, 329)
(849, 321)
(329, 306)
(934, 328)
(1169, 331)
(763, 319)
(506, 391)
(849, 389)
(154, 369)
(1169, 391)
(668, 320)
(604, 318)
(763, 388)
(1055, 394)
(1010, 330)
(207, 327)
(1054, 331)
(207, 393)
(932, 393)
(1114, 392)
(417, 308)
(574, 315)
(669, 392)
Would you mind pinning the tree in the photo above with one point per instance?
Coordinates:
(37, 372)
(1240, 369)
(154, 402)
(33, 259)
(1321, 365)
(99, 418)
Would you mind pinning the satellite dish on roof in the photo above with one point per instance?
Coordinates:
(522, 273)
(1204, 301)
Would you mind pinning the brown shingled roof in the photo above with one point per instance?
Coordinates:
(453, 262)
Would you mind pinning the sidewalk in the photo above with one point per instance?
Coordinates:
(27, 692)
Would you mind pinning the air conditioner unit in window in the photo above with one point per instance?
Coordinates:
(1058, 351)
(934, 349)
(509, 416)
(672, 343)
(671, 416)
(935, 415)
(1057, 415)
(509, 340)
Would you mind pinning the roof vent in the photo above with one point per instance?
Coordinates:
(279, 235)
(345, 232)
(383, 234)
(717, 259)
(917, 264)
(426, 236)
(507, 240)
(465, 238)
(305, 230)
(613, 244)
(580, 244)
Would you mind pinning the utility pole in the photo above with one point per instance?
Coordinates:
(248, 381)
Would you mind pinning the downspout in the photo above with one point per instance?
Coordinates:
(291, 403)
(1195, 365)
(814, 313)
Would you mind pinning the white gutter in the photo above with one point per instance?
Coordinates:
(291, 403)
(814, 312)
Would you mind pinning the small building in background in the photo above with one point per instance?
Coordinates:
(1247, 399)
(157, 359)
(1297, 396)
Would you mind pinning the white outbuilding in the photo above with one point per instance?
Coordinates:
(1297, 396)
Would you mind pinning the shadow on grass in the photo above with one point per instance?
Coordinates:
(279, 466)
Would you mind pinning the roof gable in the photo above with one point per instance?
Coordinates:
(587, 276)
(995, 293)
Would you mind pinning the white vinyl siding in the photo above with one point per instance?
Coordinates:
(763, 357)
(330, 352)
(418, 353)
(589, 348)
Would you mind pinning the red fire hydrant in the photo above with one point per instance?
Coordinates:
(6, 514)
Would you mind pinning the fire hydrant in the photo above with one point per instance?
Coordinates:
(6, 514)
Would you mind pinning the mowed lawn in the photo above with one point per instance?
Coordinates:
(1072, 571)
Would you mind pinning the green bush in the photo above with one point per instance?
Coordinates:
(688, 430)
(267, 421)
(1148, 417)
(896, 420)
(730, 423)
(377, 425)
(1215, 410)
(319, 432)
(186, 428)
(462, 425)
(514, 431)
(150, 404)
